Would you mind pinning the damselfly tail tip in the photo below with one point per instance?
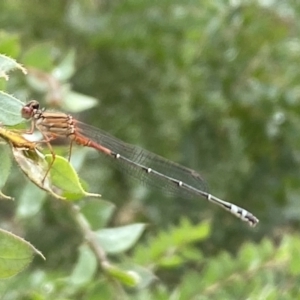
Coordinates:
(252, 220)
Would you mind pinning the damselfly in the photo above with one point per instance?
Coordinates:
(148, 167)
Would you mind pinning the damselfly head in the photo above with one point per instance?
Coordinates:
(30, 109)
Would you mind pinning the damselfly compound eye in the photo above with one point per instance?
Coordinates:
(30, 109)
(35, 105)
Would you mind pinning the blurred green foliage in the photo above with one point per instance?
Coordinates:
(210, 84)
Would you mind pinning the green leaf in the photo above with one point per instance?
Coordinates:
(129, 278)
(34, 166)
(160, 248)
(66, 67)
(65, 177)
(8, 64)
(10, 109)
(85, 267)
(5, 164)
(30, 201)
(171, 261)
(76, 102)
(291, 245)
(15, 254)
(79, 155)
(3, 84)
(9, 43)
(143, 275)
(39, 56)
(119, 239)
(38, 80)
(97, 212)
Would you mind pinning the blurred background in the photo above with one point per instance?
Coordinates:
(212, 85)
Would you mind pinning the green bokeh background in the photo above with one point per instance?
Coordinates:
(213, 85)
